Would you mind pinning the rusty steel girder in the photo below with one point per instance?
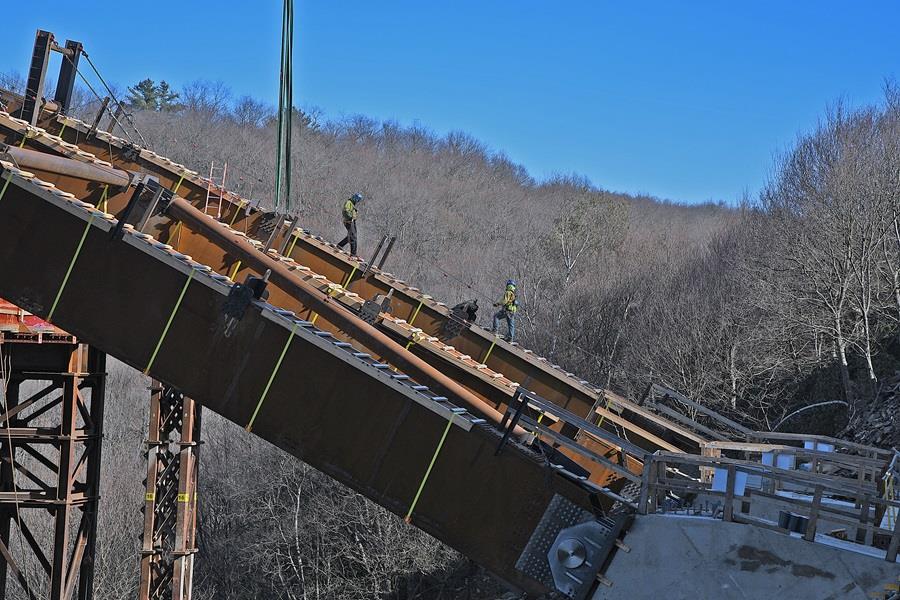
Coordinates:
(565, 389)
(288, 291)
(337, 409)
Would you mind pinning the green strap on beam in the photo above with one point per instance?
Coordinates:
(5, 185)
(408, 517)
(65, 280)
(349, 277)
(416, 312)
(489, 350)
(265, 392)
(169, 322)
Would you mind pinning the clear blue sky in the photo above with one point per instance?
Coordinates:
(682, 100)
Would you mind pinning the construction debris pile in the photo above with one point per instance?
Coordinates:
(879, 423)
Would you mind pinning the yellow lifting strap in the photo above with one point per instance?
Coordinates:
(237, 210)
(296, 235)
(489, 350)
(265, 391)
(169, 322)
(104, 199)
(415, 338)
(416, 312)
(178, 185)
(350, 276)
(65, 280)
(408, 517)
(234, 270)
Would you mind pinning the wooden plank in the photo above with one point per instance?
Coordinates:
(759, 522)
(870, 451)
(840, 485)
(642, 433)
(674, 414)
(650, 416)
(702, 409)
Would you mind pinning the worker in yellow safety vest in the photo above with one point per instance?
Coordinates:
(508, 307)
(349, 212)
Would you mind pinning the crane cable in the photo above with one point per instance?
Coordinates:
(285, 110)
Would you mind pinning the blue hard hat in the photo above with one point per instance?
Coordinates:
(510, 282)
(355, 198)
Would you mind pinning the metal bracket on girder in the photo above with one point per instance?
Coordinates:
(241, 297)
(570, 547)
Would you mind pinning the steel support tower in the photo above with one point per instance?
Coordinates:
(170, 504)
(51, 422)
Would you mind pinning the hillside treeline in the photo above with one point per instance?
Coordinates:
(791, 298)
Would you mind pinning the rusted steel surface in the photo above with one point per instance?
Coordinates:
(355, 420)
(333, 312)
(516, 363)
(214, 254)
(32, 159)
(170, 503)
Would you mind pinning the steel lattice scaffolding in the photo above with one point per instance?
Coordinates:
(51, 421)
(170, 507)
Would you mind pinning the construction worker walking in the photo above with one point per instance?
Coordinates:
(508, 307)
(349, 212)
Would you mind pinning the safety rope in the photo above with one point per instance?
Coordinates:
(96, 95)
(165, 331)
(265, 391)
(408, 517)
(65, 280)
(113, 96)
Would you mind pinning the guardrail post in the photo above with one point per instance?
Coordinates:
(645, 487)
(660, 484)
(863, 519)
(728, 513)
(810, 534)
(891, 555)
